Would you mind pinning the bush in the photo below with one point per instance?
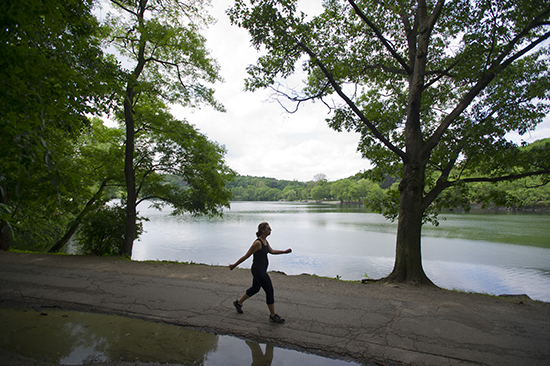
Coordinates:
(103, 232)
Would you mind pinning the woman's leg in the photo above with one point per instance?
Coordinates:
(265, 282)
(271, 309)
(243, 298)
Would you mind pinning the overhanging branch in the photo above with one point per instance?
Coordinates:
(505, 178)
(350, 103)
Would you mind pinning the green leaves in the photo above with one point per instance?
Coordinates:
(168, 147)
(162, 42)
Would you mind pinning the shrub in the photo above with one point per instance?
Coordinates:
(103, 232)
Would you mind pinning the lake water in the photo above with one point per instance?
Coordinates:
(487, 253)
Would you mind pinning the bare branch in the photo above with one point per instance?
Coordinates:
(350, 103)
(123, 7)
(297, 99)
(380, 36)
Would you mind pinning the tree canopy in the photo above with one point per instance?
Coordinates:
(53, 73)
(170, 64)
(432, 87)
(59, 164)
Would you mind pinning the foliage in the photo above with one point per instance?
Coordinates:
(170, 63)
(433, 88)
(42, 211)
(247, 188)
(53, 74)
(162, 41)
(352, 189)
(166, 146)
(103, 232)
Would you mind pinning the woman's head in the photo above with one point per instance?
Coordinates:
(263, 227)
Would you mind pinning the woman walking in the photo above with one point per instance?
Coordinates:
(261, 279)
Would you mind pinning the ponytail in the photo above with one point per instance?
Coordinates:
(261, 228)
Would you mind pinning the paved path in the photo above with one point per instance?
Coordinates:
(368, 323)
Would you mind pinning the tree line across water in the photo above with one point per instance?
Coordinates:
(529, 194)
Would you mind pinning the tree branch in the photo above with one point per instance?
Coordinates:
(498, 65)
(300, 100)
(381, 37)
(503, 178)
(350, 103)
(120, 5)
(537, 22)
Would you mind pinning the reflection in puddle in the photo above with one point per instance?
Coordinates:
(73, 338)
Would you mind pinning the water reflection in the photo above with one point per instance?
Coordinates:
(258, 356)
(72, 338)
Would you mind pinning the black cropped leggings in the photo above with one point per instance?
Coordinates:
(262, 280)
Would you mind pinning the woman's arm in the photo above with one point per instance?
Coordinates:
(253, 248)
(274, 251)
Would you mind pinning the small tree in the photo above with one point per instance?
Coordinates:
(162, 40)
(103, 232)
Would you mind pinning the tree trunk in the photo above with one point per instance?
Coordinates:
(77, 221)
(5, 229)
(129, 174)
(408, 258)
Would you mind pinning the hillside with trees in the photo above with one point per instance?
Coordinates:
(352, 189)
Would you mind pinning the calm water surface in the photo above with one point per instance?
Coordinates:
(495, 254)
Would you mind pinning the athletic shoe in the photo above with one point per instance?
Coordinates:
(238, 306)
(276, 319)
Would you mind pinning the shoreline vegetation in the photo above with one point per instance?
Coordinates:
(519, 196)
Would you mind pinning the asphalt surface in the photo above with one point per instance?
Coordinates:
(372, 324)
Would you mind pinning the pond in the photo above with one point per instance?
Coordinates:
(486, 253)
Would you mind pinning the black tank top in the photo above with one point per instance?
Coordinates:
(260, 261)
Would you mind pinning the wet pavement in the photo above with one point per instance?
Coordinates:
(76, 338)
(372, 324)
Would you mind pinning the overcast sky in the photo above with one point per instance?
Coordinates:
(260, 137)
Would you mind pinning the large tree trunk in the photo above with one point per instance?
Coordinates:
(408, 258)
(78, 220)
(408, 255)
(130, 176)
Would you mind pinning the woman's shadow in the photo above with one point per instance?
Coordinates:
(258, 357)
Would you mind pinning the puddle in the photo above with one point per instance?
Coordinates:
(73, 338)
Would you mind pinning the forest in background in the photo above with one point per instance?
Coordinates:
(529, 194)
(526, 194)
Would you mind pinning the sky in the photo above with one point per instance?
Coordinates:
(260, 137)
